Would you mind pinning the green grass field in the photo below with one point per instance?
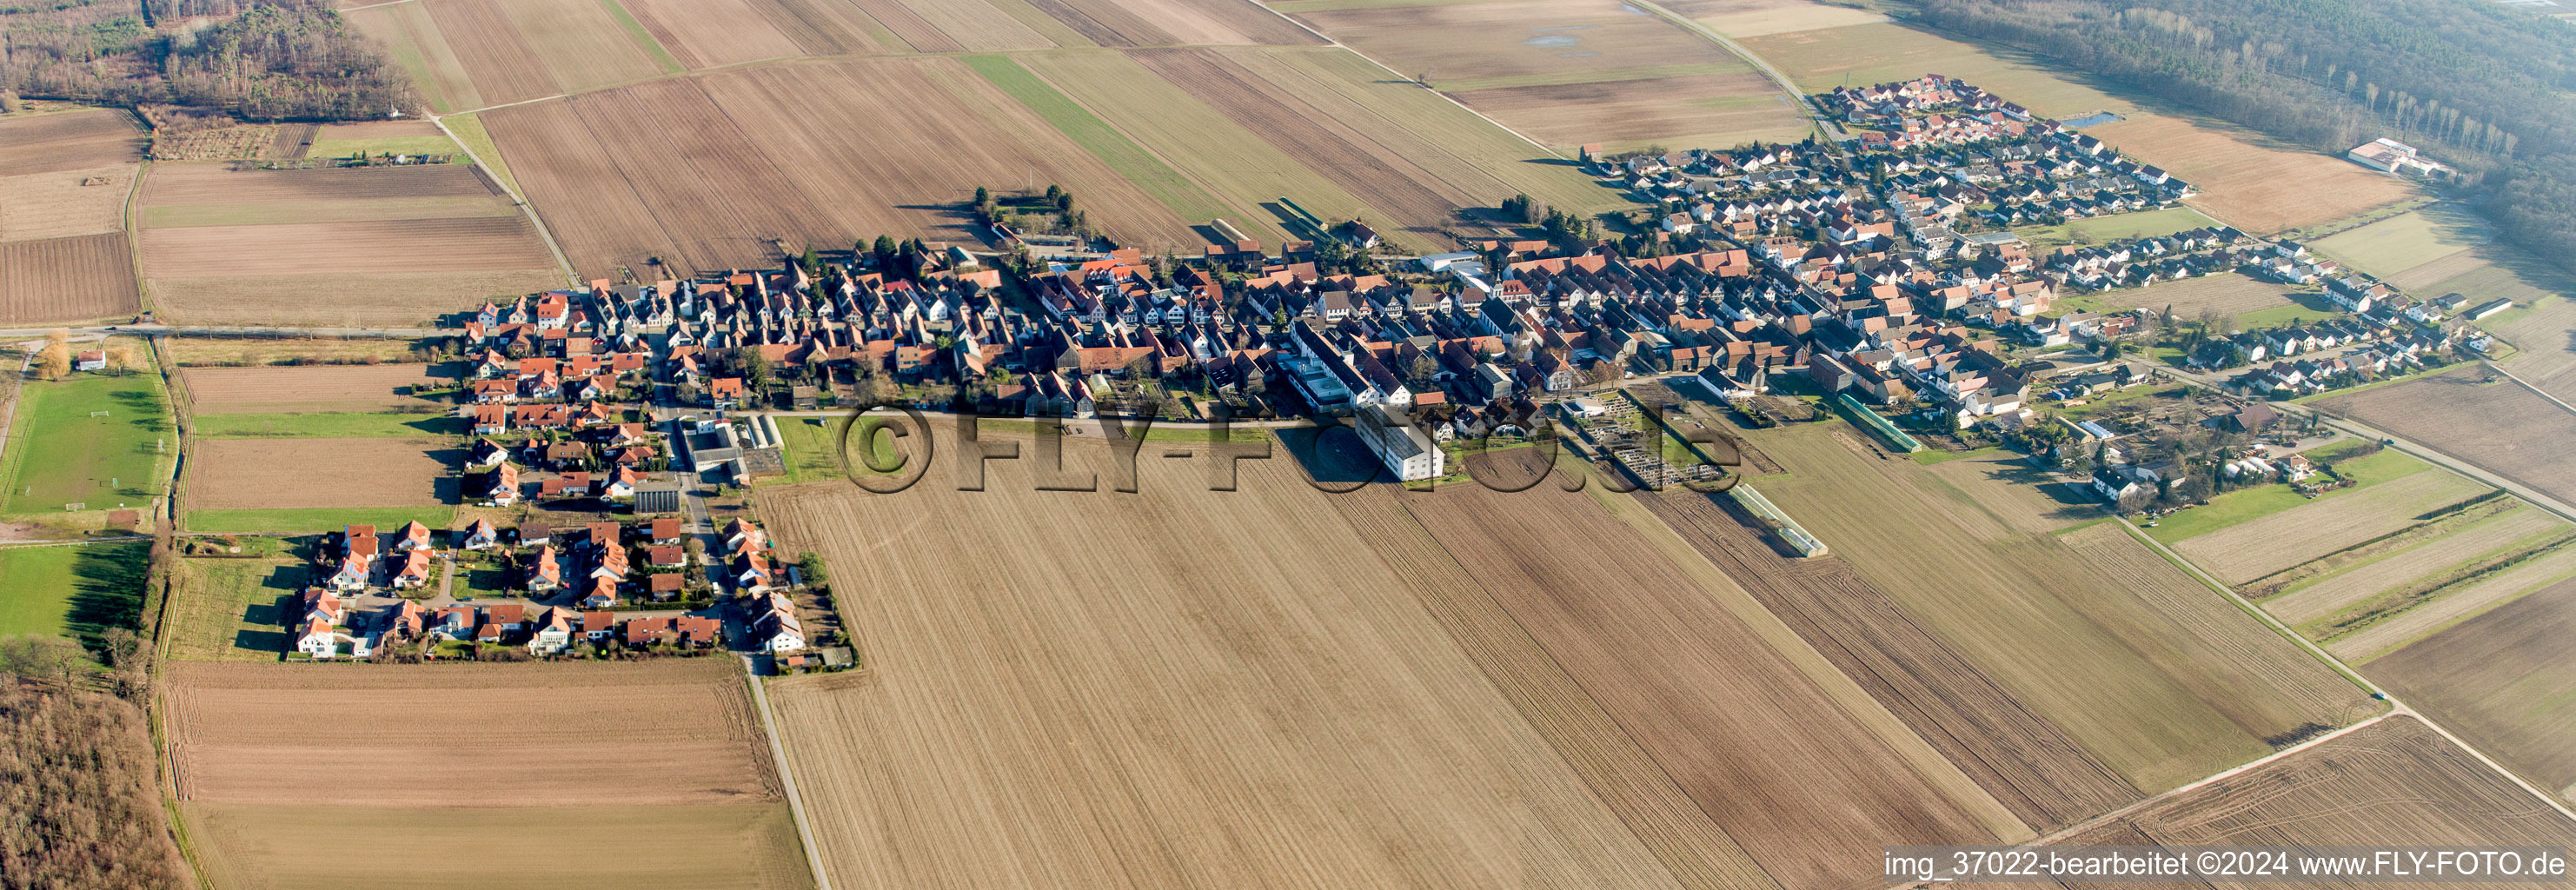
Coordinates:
(75, 592)
(315, 519)
(400, 145)
(470, 133)
(2116, 226)
(233, 609)
(2405, 241)
(2309, 307)
(60, 453)
(327, 425)
(2245, 504)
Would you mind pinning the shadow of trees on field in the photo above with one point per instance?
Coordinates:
(107, 589)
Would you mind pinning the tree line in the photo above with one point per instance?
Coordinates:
(262, 60)
(2482, 86)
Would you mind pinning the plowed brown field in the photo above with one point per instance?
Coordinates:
(2503, 681)
(2501, 427)
(69, 140)
(708, 33)
(67, 279)
(269, 390)
(504, 65)
(2015, 754)
(1168, 22)
(220, 184)
(1642, 730)
(271, 474)
(435, 245)
(64, 203)
(645, 774)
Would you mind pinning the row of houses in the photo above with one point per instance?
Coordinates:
(332, 629)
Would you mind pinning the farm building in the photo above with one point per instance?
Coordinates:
(2489, 308)
(2395, 157)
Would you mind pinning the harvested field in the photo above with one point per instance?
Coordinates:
(2454, 604)
(2143, 669)
(412, 36)
(2542, 326)
(1410, 197)
(1166, 22)
(2396, 778)
(2396, 569)
(909, 26)
(402, 299)
(2021, 758)
(685, 847)
(263, 390)
(1244, 723)
(473, 735)
(67, 279)
(2501, 427)
(1450, 141)
(714, 198)
(221, 184)
(1695, 110)
(1825, 58)
(1573, 73)
(2393, 246)
(2252, 549)
(1236, 164)
(1754, 18)
(976, 26)
(707, 33)
(1693, 668)
(2229, 294)
(502, 65)
(2503, 681)
(825, 27)
(2247, 183)
(654, 774)
(64, 203)
(69, 140)
(291, 473)
(439, 245)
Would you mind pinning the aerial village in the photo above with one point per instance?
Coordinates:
(1881, 277)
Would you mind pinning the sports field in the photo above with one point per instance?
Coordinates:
(103, 440)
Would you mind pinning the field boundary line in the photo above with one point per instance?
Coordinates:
(1399, 75)
(787, 778)
(370, 6)
(2248, 606)
(134, 237)
(526, 208)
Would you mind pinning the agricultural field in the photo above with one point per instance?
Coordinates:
(1413, 199)
(1862, 54)
(75, 592)
(2159, 679)
(2500, 427)
(2247, 182)
(277, 474)
(222, 245)
(64, 203)
(69, 140)
(703, 34)
(1573, 73)
(2503, 682)
(275, 389)
(67, 279)
(2371, 633)
(2538, 326)
(648, 774)
(1289, 681)
(409, 421)
(2391, 247)
(2429, 552)
(100, 439)
(2393, 779)
(616, 202)
(64, 180)
(1755, 18)
(226, 609)
(306, 520)
(2021, 758)
(189, 352)
(492, 44)
(1170, 22)
(2395, 493)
